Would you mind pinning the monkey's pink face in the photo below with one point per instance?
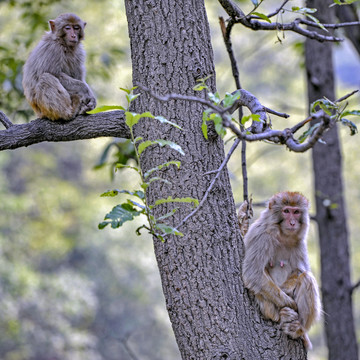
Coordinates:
(72, 34)
(292, 218)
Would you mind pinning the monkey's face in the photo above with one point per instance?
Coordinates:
(72, 34)
(292, 219)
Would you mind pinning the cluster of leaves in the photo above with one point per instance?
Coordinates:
(130, 209)
(210, 115)
(337, 112)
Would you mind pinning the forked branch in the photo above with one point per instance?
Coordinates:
(238, 16)
(259, 130)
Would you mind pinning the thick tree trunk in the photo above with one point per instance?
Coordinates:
(330, 206)
(211, 313)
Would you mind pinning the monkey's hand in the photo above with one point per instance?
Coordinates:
(87, 104)
(290, 324)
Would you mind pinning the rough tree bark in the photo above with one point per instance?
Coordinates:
(332, 224)
(211, 313)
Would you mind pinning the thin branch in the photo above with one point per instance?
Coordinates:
(110, 123)
(238, 16)
(270, 111)
(355, 286)
(328, 26)
(346, 96)
(218, 173)
(5, 120)
(278, 10)
(298, 126)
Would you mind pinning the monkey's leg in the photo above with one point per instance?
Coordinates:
(81, 89)
(51, 100)
(307, 298)
(267, 308)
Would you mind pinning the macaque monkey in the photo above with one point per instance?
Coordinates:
(276, 265)
(54, 74)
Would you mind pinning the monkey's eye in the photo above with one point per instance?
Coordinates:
(286, 211)
(297, 212)
(67, 27)
(76, 27)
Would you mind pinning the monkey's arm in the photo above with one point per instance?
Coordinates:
(81, 90)
(75, 86)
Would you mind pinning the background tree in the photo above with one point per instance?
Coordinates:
(330, 205)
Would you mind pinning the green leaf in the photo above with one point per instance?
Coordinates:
(262, 16)
(350, 125)
(138, 193)
(105, 108)
(231, 98)
(131, 97)
(343, 2)
(119, 215)
(133, 118)
(165, 121)
(317, 21)
(193, 201)
(308, 132)
(219, 128)
(252, 117)
(128, 91)
(123, 166)
(215, 98)
(199, 87)
(145, 144)
(159, 167)
(350, 112)
(171, 213)
(168, 230)
(157, 178)
(304, 10)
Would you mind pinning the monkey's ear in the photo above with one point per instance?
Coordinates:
(271, 203)
(85, 23)
(52, 25)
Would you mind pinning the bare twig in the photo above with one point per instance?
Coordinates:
(238, 16)
(278, 10)
(346, 96)
(355, 286)
(213, 181)
(5, 120)
(270, 111)
(328, 26)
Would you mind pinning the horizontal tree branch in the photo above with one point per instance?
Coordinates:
(111, 123)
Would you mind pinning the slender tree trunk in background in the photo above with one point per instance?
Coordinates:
(332, 224)
(211, 314)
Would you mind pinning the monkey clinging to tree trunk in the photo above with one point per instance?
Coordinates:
(276, 265)
(54, 74)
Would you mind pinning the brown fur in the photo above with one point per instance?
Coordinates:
(276, 266)
(54, 74)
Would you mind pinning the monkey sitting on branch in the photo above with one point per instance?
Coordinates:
(276, 265)
(54, 74)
